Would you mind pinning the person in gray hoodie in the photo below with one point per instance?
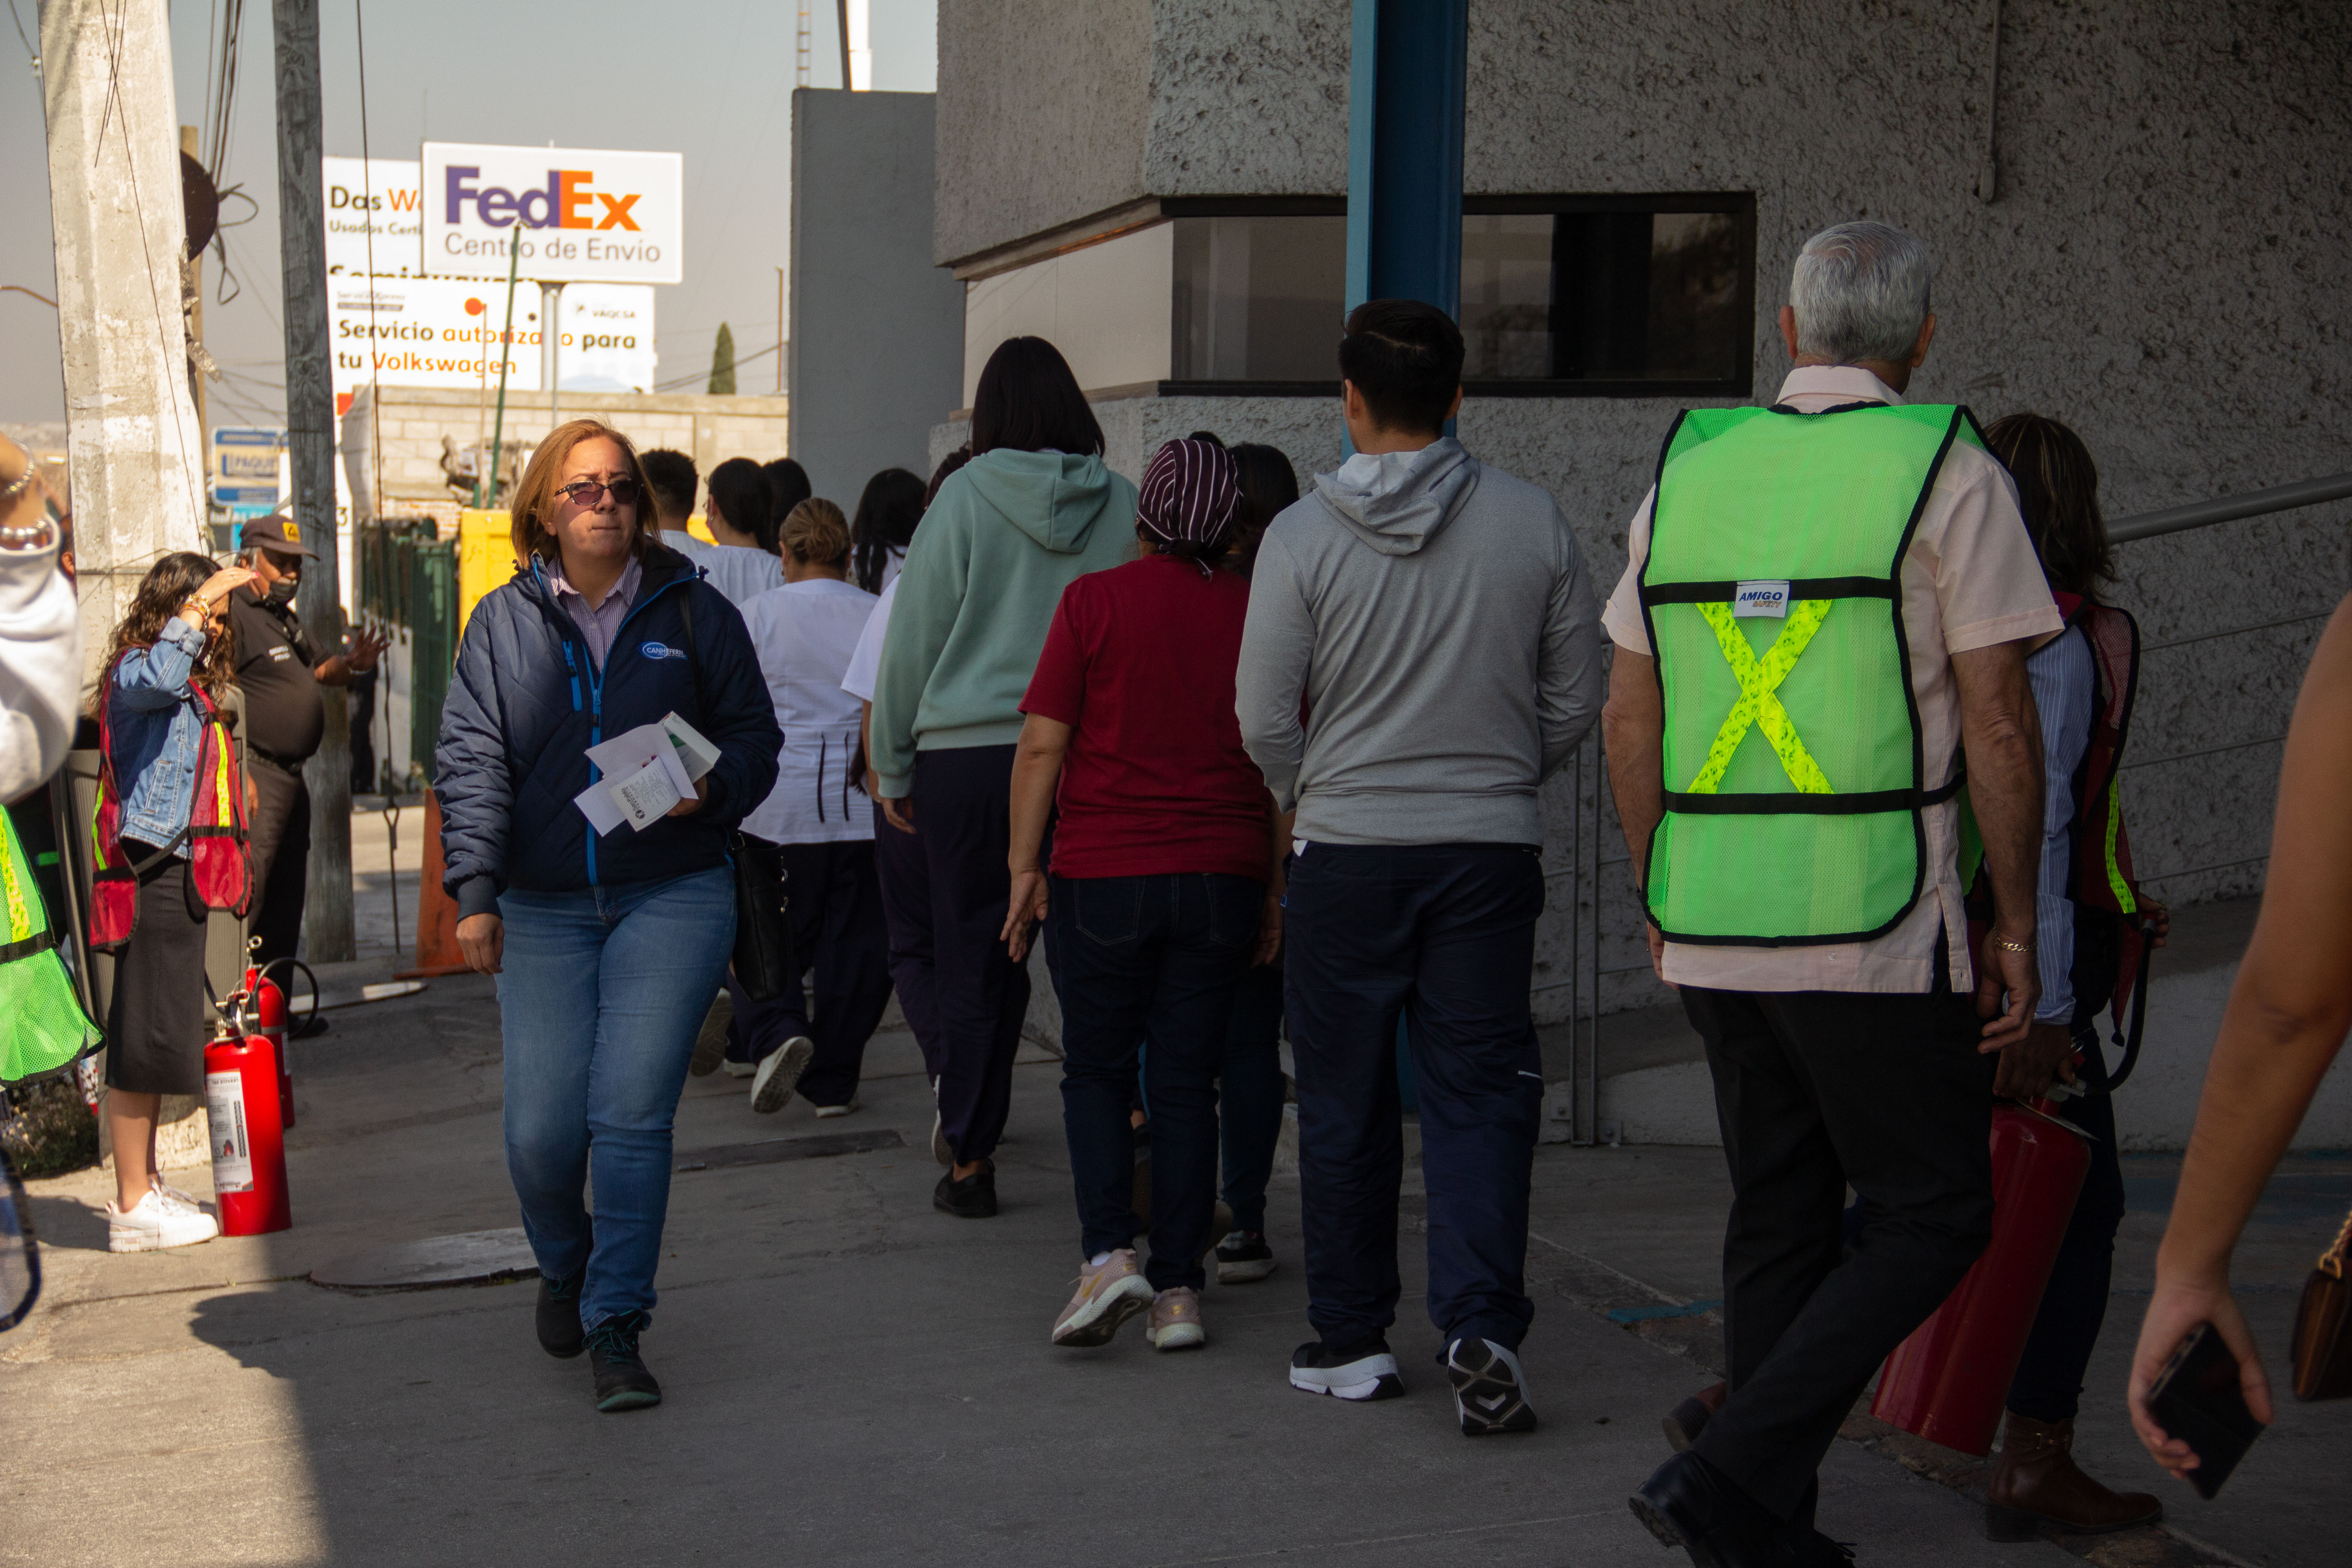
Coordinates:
(1033, 510)
(1423, 649)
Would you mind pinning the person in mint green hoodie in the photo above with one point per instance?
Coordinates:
(1032, 510)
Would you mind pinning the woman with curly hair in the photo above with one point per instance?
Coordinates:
(174, 645)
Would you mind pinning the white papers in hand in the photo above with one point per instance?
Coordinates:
(645, 771)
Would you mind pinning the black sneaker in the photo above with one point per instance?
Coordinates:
(622, 1381)
(560, 1333)
(1361, 1372)
(974, 1197)
(1244, 1257)
(1490, 1391)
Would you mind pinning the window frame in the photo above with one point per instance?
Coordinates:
(1740, 205)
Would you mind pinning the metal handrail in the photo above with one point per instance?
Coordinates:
(2225, 508)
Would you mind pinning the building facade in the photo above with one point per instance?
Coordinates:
(2138, 210)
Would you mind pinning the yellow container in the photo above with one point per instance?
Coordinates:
(485, 558)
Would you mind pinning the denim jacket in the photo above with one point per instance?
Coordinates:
(157, 731)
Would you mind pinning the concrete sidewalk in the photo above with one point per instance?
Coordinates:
(854, 1379)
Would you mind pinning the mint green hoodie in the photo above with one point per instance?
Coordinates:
(1006, 534)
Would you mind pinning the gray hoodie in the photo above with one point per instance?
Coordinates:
(1430, 616)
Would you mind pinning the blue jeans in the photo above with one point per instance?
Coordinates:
(1442, 935)
(1148, 959)
(603, 991)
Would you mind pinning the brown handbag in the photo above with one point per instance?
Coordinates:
(2323, 1327)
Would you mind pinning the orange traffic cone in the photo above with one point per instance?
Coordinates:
(436, 912)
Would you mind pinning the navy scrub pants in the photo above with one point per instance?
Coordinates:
(1442, 935)
(834, 903)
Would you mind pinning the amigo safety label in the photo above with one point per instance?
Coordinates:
(232, 1154)
(1761, 598)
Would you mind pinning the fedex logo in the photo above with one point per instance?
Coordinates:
(567, 201)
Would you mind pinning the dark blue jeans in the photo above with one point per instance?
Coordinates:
(1444, 936)
(1250, 1093)
(2049, 1382)
(1148, 959)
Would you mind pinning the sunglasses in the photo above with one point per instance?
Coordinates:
(589, 492)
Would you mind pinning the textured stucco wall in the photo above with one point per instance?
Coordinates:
(2164, 268)
(1042, 109)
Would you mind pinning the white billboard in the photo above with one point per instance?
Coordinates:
(373, 203)
(445, 332)
(571, 214)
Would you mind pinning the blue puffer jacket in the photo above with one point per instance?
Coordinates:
(526, 702)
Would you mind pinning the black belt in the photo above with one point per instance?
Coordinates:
(278, 762)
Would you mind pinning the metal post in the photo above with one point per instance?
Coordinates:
(486, 489)
(1406, 90)
(551, 334)
(327, 926)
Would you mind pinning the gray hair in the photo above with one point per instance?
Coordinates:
(1859, 291)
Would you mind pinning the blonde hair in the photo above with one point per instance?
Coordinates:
(534, 498)
(816, 533)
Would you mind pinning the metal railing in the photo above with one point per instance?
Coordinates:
(1586, 971)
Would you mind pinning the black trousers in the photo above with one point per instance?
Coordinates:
(2049, 1382)
(280, 823)
(1443, 936)
(834, 908)
(905, 886)
(963, 802)
(1815, 1090)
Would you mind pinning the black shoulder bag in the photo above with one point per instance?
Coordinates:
(764, 962)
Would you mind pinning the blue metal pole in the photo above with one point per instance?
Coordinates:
(1406, 92)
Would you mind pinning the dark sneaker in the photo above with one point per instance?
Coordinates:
(1490, 1391)
(711, 1040)
(1244, 1257)
(1689, 1503)
(560, 1333)
(622, 1381)
(974, 1197)
(1361, 1372)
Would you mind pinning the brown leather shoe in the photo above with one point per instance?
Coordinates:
(1685, 1421)
(2037, 1485)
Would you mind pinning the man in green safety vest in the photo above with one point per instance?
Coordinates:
(1822, 636)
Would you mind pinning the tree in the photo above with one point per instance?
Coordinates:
(722, 363)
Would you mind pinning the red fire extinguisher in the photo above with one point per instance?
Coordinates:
(241, 1091)
(1948, 1381)
(269, 1014)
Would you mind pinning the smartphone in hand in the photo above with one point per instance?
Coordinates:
(2197, 1398)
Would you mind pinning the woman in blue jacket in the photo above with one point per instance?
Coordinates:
(606, 948)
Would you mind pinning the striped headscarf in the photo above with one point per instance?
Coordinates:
(1191, 495)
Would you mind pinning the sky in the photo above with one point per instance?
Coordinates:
(707, 78)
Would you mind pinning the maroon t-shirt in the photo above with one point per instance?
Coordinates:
(1140, 663)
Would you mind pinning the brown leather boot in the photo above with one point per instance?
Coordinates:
(2037, 1485)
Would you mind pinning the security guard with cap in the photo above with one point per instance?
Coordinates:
(280, 670)
(1822, 636)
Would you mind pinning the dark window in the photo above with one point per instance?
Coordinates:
(1561, 296)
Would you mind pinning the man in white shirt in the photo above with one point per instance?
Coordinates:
(1795, 825)
(674, 481)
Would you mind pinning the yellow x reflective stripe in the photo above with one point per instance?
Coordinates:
(1758, 679)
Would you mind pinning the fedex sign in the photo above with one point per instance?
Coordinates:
(563, 214)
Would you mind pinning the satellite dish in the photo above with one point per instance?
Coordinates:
(200, 202)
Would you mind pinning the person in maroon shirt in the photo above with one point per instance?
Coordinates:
(1166, 881)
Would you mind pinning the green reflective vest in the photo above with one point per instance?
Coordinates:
(1795, 781)
(42, 1025)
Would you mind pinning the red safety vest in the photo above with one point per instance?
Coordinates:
(220, 868)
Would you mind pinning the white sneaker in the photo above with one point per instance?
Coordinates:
(739, 1069)
(174, 1198)
(772, 1088)
(154, 1223)
(825, 1112)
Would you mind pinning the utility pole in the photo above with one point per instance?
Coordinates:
(310, 439)
(137, 452)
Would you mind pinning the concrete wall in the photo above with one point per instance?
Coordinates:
(1107, 308)
(708, 430)
(2162, 265)
(877, 331)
